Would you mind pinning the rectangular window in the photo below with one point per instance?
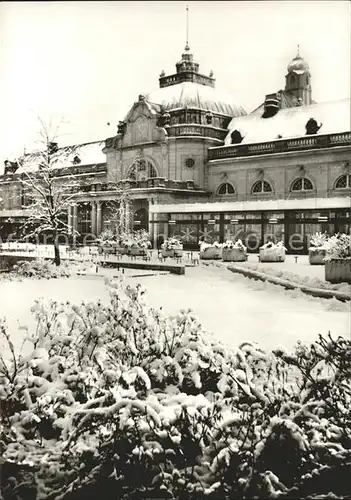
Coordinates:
(253, 216)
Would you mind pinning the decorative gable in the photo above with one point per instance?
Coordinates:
(141, 124)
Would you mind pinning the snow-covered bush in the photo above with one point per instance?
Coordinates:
(338, 247)
(203, 245)
(274, 246)
(118, 401)
(172, 244)
(319, 240)
(107, 238)
(238, 245)
(139, 239)
(44, 269)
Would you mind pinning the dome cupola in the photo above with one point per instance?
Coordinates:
(298, 65)
(298, 79)
(192, 95)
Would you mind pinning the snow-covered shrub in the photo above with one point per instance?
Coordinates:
(238, 245)
(119, 401)
(44, 269)
(319, 240)
(107, 238)
(273, 246)
(172, 244)
(136, 239)
(203, 245)
(142, 238)
(338, 247)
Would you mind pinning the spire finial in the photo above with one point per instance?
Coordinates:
(298, 50)
(187, 29)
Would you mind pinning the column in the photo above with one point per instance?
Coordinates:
(75, 217)
(75, 223)
(152, 229)
(127, 219)
(93, 217)
(98, 218)
(70, 219)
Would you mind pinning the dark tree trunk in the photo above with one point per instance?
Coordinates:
(57, 258)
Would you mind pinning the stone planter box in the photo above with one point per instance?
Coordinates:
(122, 250)
(233, 255)
(338, 270)
(136, 251)
(112, 250)
(316, 256)
(173, 252)
(211, 253)
(272, 255)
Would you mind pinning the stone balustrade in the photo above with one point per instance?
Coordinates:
(149, 183)
(281, 145)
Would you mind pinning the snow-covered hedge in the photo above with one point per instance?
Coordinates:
(44, 269)
(118, 401)
(338, 247)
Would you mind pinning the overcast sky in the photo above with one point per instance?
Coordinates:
(86, 62)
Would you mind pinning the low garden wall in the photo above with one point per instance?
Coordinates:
(290, 285)
(8, 261)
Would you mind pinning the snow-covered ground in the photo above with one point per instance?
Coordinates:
(298, 266)
(233, 307)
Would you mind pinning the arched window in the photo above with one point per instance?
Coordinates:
(302, 184)
(261, 187)
(343, 182)
(225, 189)
(142, 170)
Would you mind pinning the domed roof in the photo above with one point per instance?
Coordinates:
(298, 64)
(194, 95)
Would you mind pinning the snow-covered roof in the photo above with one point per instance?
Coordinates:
(287, 101)
(88, 154)
(195, 95)
(290, 122)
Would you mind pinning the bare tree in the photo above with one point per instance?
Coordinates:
(48, 198)
(120, 212)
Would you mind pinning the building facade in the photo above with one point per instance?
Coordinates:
(198, 167)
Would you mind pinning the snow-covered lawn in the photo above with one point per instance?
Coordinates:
(233, 307)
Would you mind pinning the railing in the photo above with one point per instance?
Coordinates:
(151, 182)
(186, 76)
(280, 146)
(196, 130)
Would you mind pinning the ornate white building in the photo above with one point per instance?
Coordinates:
(197, 166)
